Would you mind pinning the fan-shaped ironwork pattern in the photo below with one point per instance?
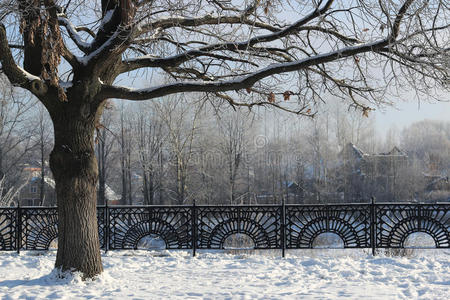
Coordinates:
(396, 222)
(154, 226)
(129, 225)
(350, 222)
(261, 223)
(375, 225)
(39, 227)
(8, 228)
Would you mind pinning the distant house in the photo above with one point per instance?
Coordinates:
(290, 191)
(30, 193)
(293, 192)
(362, 175)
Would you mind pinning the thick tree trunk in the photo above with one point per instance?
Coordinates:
(74, 167)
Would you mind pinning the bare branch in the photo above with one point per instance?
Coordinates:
(240, 83)
(73, 33)
(146, 61)
(304, 111)
(205, 20)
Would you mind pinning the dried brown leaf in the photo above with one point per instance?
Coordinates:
(287, 95)
(366, 112)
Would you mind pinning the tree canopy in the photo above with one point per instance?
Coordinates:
(358, 50)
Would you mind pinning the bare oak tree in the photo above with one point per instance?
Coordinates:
(258, 53)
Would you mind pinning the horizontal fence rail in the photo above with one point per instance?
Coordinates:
(285, 226)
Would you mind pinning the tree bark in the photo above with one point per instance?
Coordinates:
(74, 167)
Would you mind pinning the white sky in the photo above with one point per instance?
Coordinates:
(407, 113)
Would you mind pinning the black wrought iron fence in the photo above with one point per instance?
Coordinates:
(374, 225)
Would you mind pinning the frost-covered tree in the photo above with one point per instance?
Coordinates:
(16, 135)
(233, 131)
(72, 54)
(429, 141)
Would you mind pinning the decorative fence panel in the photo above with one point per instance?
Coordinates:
(394, 223)
(39, 227)
(381, 225)
(128, 225)
(262, 224)
(350, 222)
(8, 229)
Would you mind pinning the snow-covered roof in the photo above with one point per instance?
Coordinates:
(110, 194)
(351, 149)
(357, 151)
(289, 183)
(49, 181)
(394, 152)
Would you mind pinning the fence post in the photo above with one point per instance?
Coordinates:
(372, 225)
(283, 228)
(238, 217)
(18, 227)
(106, 227)
(419, 215)
(194, 228)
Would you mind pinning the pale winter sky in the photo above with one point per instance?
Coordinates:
(407, 113)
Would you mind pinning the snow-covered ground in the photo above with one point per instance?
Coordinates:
(318, 274)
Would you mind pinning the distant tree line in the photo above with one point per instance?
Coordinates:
(172, 153)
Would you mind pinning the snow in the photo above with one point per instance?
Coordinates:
(47, 180)
(28, 75)
(73, 33)
(306, 274)
(107, 17)
(110, 194)
(86, 59)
